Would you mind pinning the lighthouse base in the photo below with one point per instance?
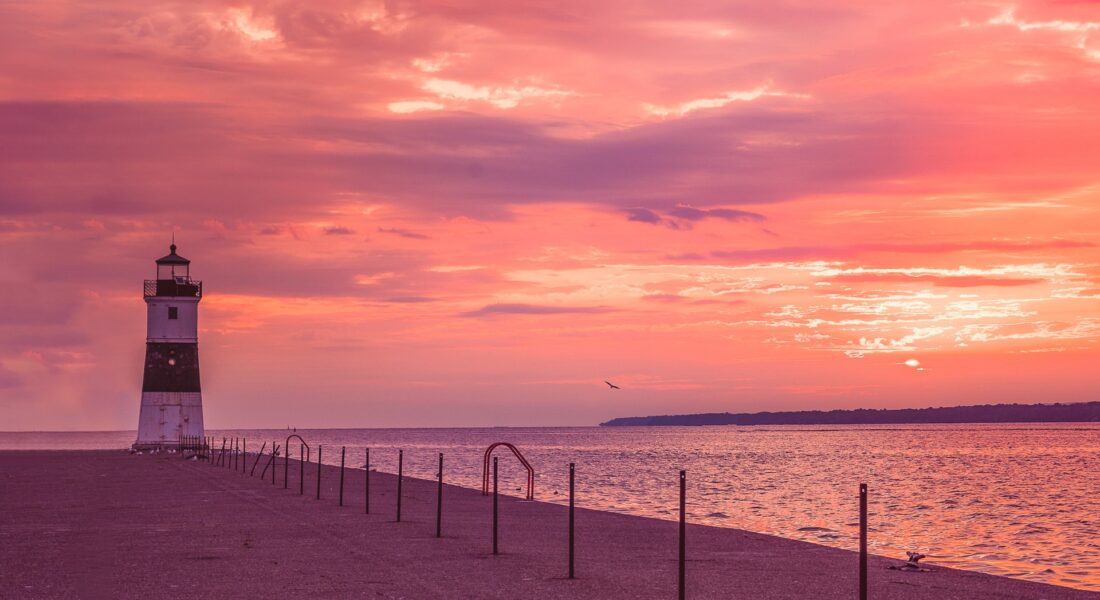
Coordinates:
(165, 416)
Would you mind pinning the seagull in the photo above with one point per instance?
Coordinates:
(612, 385)
(913, 564)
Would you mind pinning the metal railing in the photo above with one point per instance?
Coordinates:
(523, 461)
(171, 287)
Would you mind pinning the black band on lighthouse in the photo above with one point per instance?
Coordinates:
(171, 368)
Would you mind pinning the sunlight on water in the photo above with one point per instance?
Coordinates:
(1014, 500)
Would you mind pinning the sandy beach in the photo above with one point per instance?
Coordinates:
(106, 524)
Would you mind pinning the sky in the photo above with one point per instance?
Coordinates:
(474, 213)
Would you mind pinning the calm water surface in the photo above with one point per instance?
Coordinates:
(1020, 500)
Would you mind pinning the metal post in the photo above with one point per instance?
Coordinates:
(571, 490)
(439, 501)
(400, 476)
(257, 461)
(495, 471)
(318, 471)
(343, 452)
(271, 462)
(286, 468)
(274, 461)
(366, 495)
(683, 529)
(301, 469)
(863, 541)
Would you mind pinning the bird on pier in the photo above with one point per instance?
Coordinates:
(612, 385)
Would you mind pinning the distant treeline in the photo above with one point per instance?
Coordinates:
(983, 413)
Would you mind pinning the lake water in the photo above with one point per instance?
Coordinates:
(1020, 500)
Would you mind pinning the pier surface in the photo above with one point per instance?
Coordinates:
(106, 524)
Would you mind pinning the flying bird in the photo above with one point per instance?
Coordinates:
(612, 385)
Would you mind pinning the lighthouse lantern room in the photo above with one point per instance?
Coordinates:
(171, 398)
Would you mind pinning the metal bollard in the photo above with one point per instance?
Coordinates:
(301, 469)
(400, 477)
(366, 495)
(495, 511)
(683, 530)
(571, 510)
(439, 501)
(863, 541)
(286, 468)
(343, 452)
(318, 471)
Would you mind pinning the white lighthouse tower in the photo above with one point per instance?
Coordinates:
(171, 398)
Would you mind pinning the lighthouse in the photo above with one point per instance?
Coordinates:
(171, 399)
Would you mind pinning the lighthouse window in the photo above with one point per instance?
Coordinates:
(173, 312)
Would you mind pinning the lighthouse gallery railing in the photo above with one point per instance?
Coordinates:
(171, 287)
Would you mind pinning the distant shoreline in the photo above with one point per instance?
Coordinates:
(1082, 412)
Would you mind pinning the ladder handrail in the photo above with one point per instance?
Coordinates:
(526, 465)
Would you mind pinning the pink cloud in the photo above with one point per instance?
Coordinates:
(926, 174)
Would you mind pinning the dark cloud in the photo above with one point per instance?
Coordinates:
(405, 233)
(642, 215)
(689, 214)
(697, 214)
(134, 158)
(338, 230)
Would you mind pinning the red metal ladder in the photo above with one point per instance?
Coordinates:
(526, 465)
